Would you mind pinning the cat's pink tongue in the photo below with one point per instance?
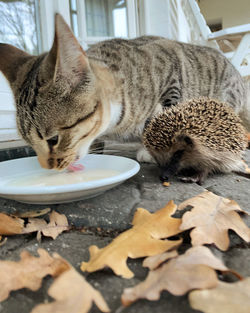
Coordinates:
(75, 167)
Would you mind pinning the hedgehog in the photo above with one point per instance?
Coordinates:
(196, 138)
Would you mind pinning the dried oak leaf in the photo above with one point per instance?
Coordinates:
(152, 262)
(28, 272)
(194, 269)
(2, 242)
(58, 223)
(10, 225)
(143, 239)
(211, 217)
(73, 294)
(225, 298)
(30, 213)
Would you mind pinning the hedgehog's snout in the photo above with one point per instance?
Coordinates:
(167, 171)
(171, 167)
(163, 177)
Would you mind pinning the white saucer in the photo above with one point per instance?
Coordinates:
(26, 167)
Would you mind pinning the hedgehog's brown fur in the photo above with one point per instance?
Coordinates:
(216, 141)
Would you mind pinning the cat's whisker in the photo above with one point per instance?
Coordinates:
(109, 151)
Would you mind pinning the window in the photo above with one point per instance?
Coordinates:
(73, 17)
(95, 20)
(105, 18)
(19, 24)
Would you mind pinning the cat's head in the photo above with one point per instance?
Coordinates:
(58, 95)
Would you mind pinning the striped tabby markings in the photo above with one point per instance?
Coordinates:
(83, 118)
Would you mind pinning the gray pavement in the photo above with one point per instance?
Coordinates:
(98, 220)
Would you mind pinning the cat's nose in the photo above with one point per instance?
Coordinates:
(46, 163)
(43, 162)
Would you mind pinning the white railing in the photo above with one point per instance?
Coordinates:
(192, 25)
(193, 29)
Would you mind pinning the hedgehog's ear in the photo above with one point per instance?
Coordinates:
(186, 139)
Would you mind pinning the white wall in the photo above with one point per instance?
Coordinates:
(156, 17)
(184, 28)
(8, 131)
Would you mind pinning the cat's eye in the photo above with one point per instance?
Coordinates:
(53, 141)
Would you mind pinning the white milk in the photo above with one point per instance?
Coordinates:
(63, 178)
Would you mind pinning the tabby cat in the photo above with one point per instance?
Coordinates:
(66, 98)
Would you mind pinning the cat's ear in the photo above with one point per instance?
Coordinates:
(66, 54)
(11, 58)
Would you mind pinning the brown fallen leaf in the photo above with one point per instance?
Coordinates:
(10, 225)
(73, 294)
(35, 213)
(143, 239)
(58, 223)
(28, 272)
(166, 184)
(2, 242)
(152, 262)
(211, 217)
(194, 269)
(35, 225)
(225, 298)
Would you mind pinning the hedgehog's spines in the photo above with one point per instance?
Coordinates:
(213, 122)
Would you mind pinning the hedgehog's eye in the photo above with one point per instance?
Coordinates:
(178, 154)
(188, 140)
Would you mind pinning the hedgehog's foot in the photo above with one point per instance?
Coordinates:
(191, 179)
(243, 170)
(243, 174)
(195, 177)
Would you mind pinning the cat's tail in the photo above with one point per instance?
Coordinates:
(245, 112)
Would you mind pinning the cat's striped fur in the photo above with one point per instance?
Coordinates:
(66, 98)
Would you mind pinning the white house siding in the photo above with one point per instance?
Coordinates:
(8, 132)
(156, 19)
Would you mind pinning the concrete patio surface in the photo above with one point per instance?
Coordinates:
(98, 220)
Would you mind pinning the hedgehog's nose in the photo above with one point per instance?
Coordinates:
(163, 178)
(164, 174)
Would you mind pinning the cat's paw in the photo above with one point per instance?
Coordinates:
(144, 156)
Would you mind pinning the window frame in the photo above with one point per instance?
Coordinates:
(86, 41)
(48, 8)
